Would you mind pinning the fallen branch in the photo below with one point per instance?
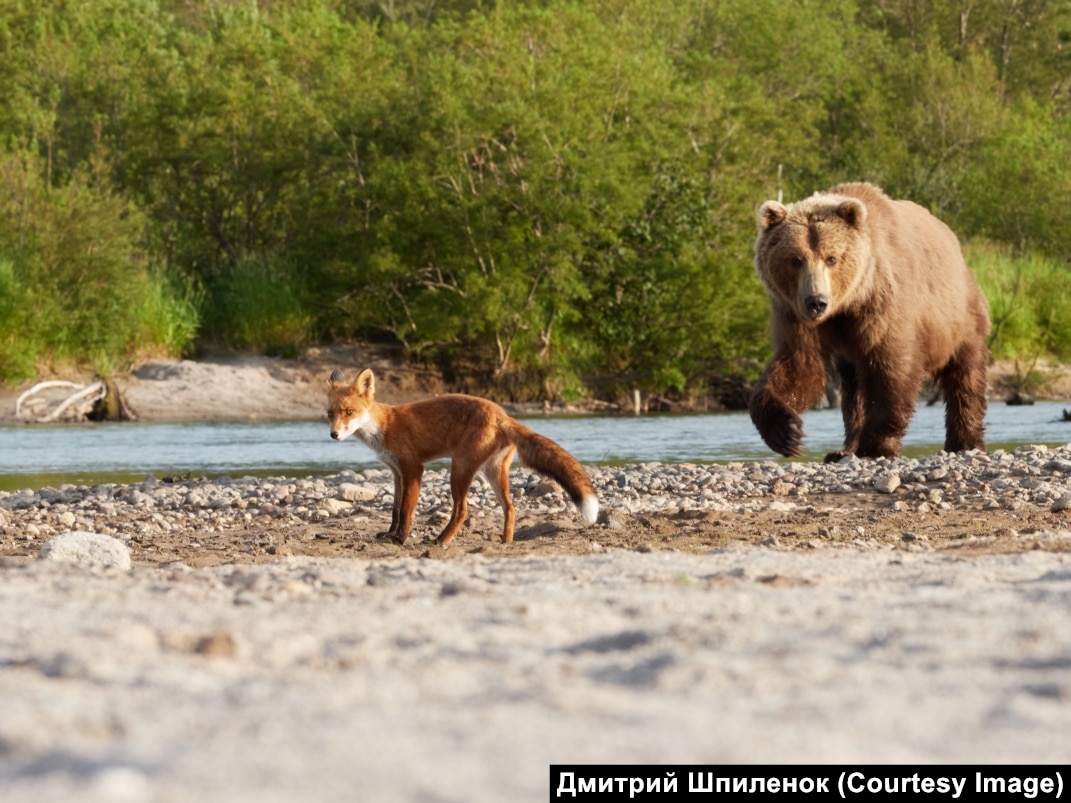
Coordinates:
(98, 388)
(53, 383)
(86, 395)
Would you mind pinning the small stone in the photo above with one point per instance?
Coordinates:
(120, 783)
(352, 492)
(1061, 503)
(216, 645)
(542, 488)
(887, 483)
(335, 506)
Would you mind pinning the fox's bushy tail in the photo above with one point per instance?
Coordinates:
(547, 457)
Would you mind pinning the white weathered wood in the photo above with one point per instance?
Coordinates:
(82, 395)
(52, 383)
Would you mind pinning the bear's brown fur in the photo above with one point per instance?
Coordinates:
(878, 291)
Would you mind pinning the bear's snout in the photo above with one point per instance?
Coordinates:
(816, 305)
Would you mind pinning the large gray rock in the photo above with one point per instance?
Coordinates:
(89, 550)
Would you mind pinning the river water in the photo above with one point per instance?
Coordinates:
(33, 456)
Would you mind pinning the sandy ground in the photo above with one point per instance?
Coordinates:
(316, 662)
(464, 679)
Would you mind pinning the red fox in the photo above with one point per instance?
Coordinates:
(477, 435)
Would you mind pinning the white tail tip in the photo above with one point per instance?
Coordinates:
(589, 509)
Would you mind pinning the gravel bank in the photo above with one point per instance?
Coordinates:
(1031, 476)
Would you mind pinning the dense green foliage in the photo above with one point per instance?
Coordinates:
(549, 197)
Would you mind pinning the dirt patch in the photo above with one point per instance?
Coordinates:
(848, 521)
(854, 523)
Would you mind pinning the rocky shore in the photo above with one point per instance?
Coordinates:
(242, 519)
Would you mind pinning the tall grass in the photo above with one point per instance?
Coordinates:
(168, 315)
(1028, 302)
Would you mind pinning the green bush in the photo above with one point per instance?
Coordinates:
(169, 315)
(1027, 296)
(19, 344)
(258, 305)
(75, 282)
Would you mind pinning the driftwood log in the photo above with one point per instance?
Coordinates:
(100, 400)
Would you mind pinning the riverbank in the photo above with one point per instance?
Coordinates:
(247, 388)
(242, 388)
(267, 646)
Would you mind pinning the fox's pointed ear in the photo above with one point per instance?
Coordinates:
(337, 377)
(365, 383)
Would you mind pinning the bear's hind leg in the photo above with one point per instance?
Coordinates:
(963, 382)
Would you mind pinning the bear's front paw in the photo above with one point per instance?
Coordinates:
(785, 435)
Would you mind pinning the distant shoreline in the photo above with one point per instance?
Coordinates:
(245, 388)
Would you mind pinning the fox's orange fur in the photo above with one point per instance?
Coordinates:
(477, 436)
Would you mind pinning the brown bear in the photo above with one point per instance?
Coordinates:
(876, 290)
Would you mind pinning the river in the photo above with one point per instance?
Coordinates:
(35, 456)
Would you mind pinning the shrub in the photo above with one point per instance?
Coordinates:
(259, 305)
(1027, 295)
(75, 282)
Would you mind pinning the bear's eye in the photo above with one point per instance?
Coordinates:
(831, 261)
(797, 261)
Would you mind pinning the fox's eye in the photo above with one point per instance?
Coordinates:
(349, 412)
(831, 261)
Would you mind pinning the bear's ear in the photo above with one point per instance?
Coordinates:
(770, 214)
(852, 212)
